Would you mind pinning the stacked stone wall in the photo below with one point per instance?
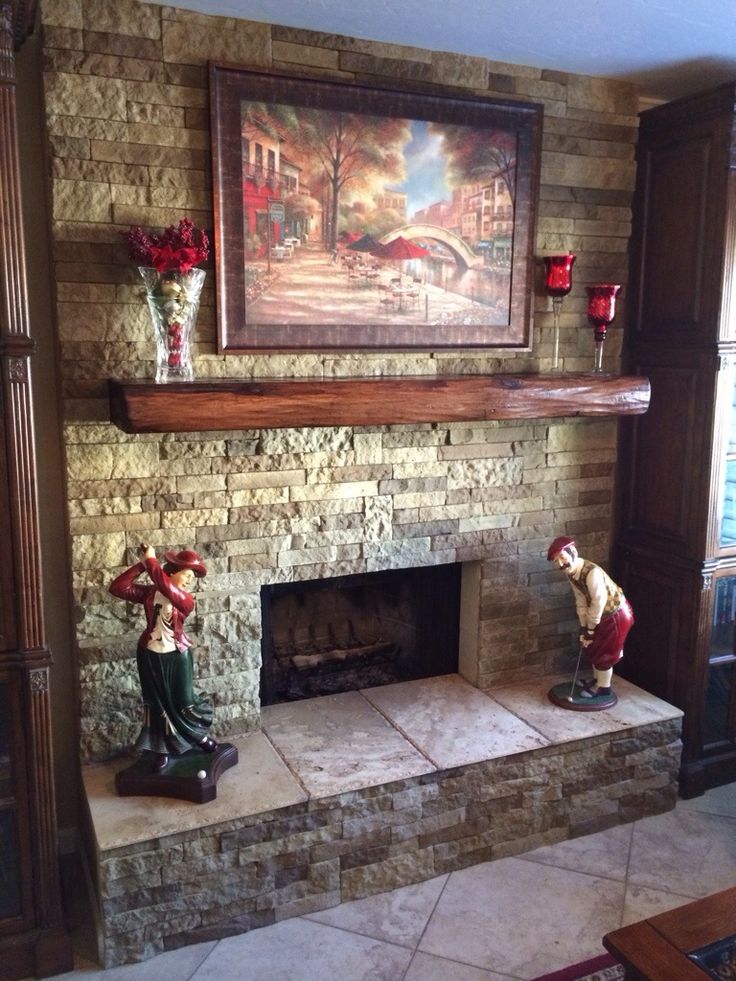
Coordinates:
(127, 121)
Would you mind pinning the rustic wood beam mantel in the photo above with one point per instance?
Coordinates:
(206, 406)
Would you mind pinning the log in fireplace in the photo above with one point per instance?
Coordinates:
(325, 636)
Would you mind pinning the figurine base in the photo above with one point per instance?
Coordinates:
(181, 778)
(560, 695)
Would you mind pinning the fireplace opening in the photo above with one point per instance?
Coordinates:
(326, 636)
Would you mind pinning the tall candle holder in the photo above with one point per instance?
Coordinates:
(601, 311)
(558, 283)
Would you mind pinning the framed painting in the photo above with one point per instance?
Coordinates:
(353, 216)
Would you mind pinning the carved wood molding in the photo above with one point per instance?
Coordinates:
(206, 406)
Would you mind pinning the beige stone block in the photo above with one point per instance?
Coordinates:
(602, 95)
(400, 870)
(268, 478)
(461, 70)
(422, 437)
(118, 66)
(304, 54)
(85, 95)
(577, 171)
(138, 112)
(413, 454)
(486, 521)
(81, 199)
(259, 495)
(98, 551)
(185, 199)
(608, 229)
(123, 17)
(379, 513)
(495, 472)
(330, 475)
(62, 13)
(87, 128)
(64, 147)
(349, 489)
(94, 462)
(567, 459)
(589, 435)
(102, 524)
(306, 556)
(110, 505)
(379, 49)
(542, 89)
(195, 39)
(311, 440)
(194, 518)
(420, 500)
(168, 136)
(419, 470)
(97, 293)
(399, 554)
(352, 61)
(183, 96)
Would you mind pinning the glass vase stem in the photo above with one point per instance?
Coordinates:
(556, 307)
(598, 356)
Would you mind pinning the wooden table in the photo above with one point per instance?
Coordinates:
(655, 949)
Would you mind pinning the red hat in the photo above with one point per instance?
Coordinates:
(558, 545)
(187, 559)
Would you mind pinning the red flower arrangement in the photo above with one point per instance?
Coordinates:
(177, 248)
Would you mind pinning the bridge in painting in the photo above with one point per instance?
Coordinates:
(462, 253)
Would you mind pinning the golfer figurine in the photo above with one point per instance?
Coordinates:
(605, 618)
(177, 756)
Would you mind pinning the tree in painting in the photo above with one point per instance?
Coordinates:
(352, 151)
(477, 155)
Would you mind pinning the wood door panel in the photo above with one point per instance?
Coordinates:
(663, 455)
(674, 245)
(650, 654)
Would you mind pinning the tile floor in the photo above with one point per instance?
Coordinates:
(513, 918)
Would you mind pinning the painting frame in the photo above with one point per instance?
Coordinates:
(249, 249)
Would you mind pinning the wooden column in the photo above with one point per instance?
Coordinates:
(34, 941)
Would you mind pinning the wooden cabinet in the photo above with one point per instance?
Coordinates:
(33, 941)
(676, 528)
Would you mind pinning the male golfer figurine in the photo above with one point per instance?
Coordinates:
(605, 617)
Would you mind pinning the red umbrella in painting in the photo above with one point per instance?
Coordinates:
(400, 249)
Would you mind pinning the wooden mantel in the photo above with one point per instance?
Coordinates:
(206, 406)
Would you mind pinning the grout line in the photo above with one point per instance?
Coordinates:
(404, 735)
(284, 760)
(421, 935)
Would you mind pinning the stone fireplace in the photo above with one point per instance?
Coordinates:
(322, 637)
(324, 493)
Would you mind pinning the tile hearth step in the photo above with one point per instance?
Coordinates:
(348, 795)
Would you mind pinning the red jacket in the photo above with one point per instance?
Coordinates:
(125, 587)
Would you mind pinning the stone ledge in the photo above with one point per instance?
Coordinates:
(170, 873)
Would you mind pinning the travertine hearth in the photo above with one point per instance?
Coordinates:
(350, 795)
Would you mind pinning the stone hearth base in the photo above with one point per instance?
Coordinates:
(349, 795)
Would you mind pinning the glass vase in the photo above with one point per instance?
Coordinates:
(173, 301)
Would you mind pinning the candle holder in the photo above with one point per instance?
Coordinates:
(601, 311)
(558, 283)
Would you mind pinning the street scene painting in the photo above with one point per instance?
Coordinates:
(349, 217)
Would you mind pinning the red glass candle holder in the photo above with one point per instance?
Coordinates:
(601, 312)
(558, 283)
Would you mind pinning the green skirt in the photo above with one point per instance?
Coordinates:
(175, 719)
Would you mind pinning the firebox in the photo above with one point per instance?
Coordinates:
(325, 636)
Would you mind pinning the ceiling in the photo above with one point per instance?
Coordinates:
(668, 48)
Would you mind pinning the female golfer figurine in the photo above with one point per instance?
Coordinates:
(605, 618)
(175, 720)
